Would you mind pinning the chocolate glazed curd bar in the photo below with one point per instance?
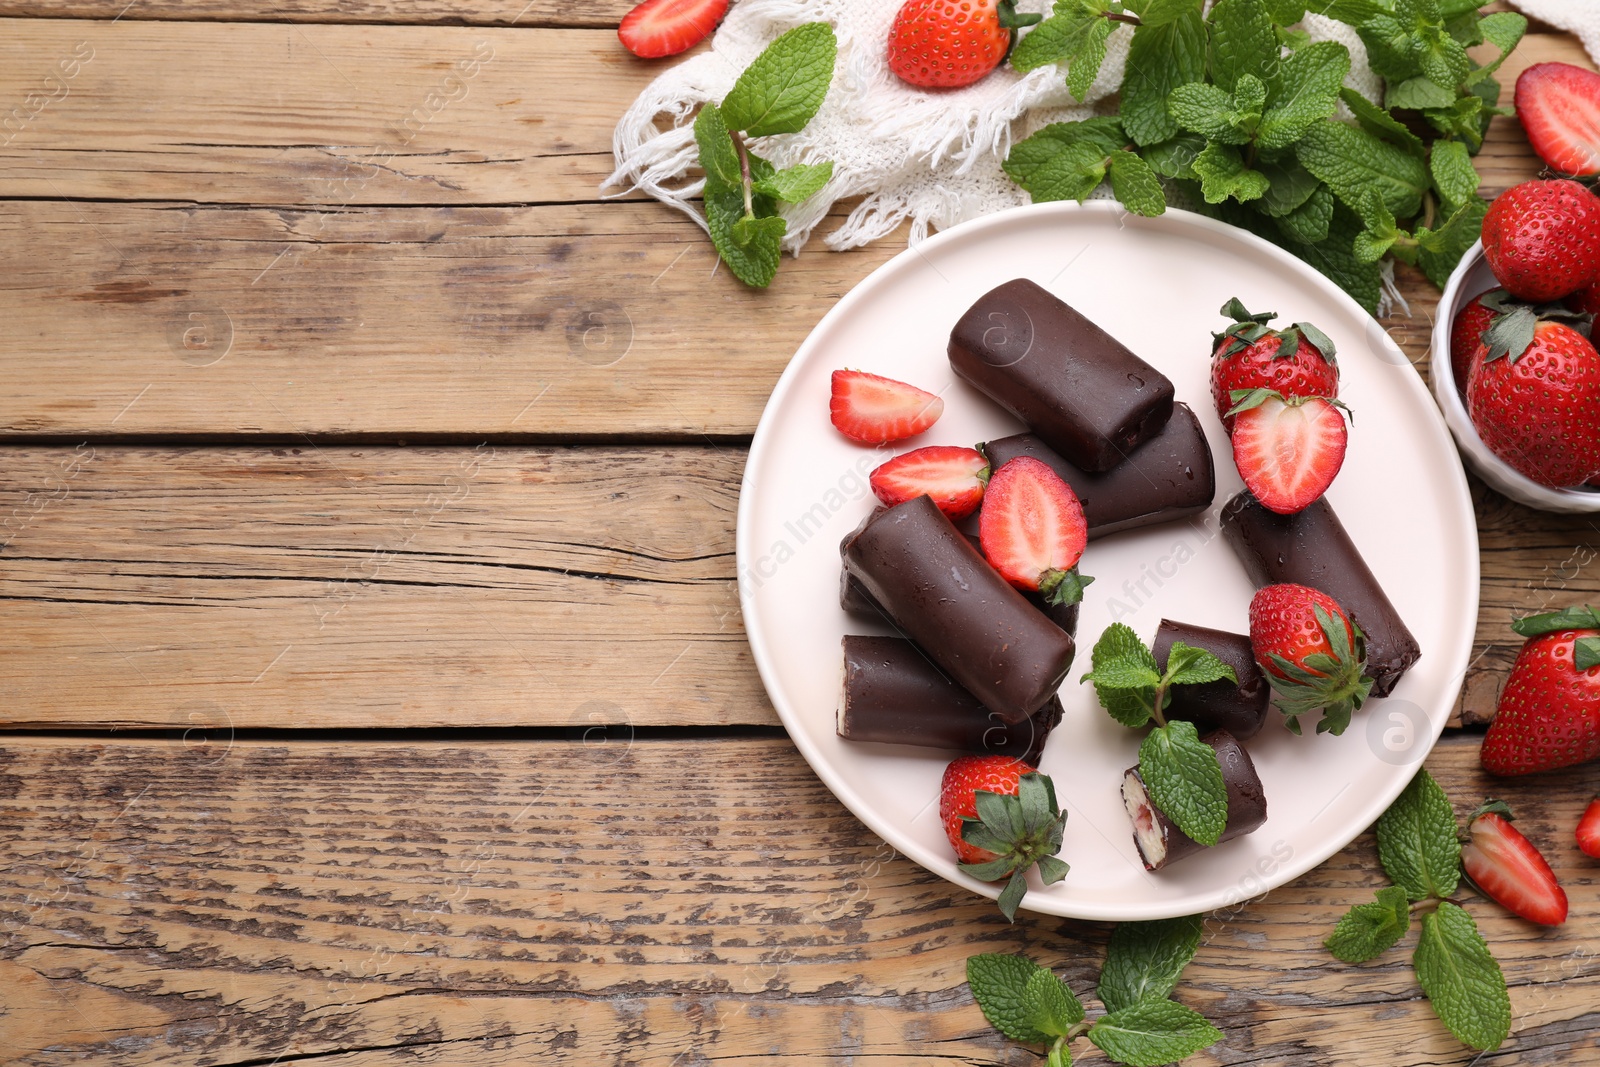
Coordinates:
(1221, 705)
(1168, 477)
(942, 594)
(895, 695)
(1312, 548)
(1073, 384)
(1158, 838)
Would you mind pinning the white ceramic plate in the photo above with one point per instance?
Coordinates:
(1156, 284)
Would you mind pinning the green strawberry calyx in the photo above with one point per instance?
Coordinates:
(1245, 399)
(1511, 332)
(1585, 650)
(1334, 682)
(1022, 831)
(1248, 328)
(1059, 587)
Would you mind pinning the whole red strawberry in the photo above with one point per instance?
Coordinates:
(1313, 655)
(1467, 330)
(1295, 361)
(945, 44)
(1509, 870)
(1586, 300)
(1001, 817)
(1549, 711)
(1542, 239)
(1533, 393)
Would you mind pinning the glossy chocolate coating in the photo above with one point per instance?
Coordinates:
(1168, 477)
(1312, 548)
(1247, 803)
(937, 589)
(1075, 385)
(855, 600)
(1221, 705)
(895, 695)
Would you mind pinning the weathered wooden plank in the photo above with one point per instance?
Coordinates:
(211, 588)
(171, 904)
(358, 114)
(564, 320)
(523, 13)
(351, 587)
(339, 115)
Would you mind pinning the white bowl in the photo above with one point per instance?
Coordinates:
(1472, 277)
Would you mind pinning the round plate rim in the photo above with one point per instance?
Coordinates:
(1062, 904)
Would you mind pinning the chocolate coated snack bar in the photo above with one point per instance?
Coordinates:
(1158, 838)
(1221, 705)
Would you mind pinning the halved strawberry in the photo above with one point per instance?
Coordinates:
(1559, 105)
(951, 475)
(875, 410)
(1033, 531)
(1288, 450)
(1589, 830)
(659, 28)
(1509, 870)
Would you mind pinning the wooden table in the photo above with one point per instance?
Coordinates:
(375, 689)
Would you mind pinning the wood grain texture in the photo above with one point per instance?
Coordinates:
(356, 115)
(340, 115)
(523, 13)
(514, 902)
(209, 588)
(386, 587)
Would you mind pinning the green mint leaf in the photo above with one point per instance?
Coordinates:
(1578, 617)
(1417, 93)
(1162, 12)
(1369, 930)
(796, 183)
(785, 85)
(1086, 58)
(1378, 122)
(1308, 223)
(1054, 39)
(717, 156)
(1586, 652)
(1504, 30)
(1212, 113)
(1224, 175)
(1442, 58)
(1381, 232)
(1161, 58)
(1175, 158)
(1287, 12)
(1130, 707)
(1196, 666)
(1242, 42)
(999, 984)
(1048, 1006)
(1453, 173)
(1462, 979)
(1104, 133)
(1289, 186)
(1145, 959)
(1391, 47)
(1184, 778)
(1308, 91)
(1121, 661)
(1417, 841)
(1467, 118)
(1153, 1033)
(750, 251)
(1441, 250)
(1135, 185)
(1051, 170)
(1353, 162)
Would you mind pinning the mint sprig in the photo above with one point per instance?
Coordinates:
(1182, 773)
(1238, 113)
(1419, 850)
(778, 93)
(1141, 1027)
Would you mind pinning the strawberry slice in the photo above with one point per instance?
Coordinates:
(1509, 870)
(1033, 530)
(1589, 830)
(875, 410)
(659, 28)
(952, 476)
(1559, 106)
(1288, 450)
